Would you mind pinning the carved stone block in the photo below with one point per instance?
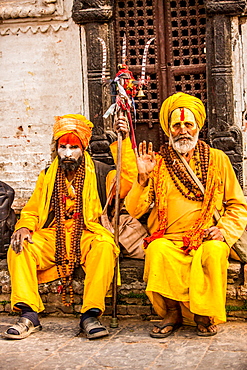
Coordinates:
(229, 7)
(93, 14)
(222, 132)
(231, 142)
(14, 9)
(85, 11)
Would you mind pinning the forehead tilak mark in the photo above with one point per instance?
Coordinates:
(181, 114)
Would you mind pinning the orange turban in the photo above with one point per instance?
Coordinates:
(73, 123)
(181, 100)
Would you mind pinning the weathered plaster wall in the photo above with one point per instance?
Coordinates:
(239, 62)
(243, 36)
(41, 76)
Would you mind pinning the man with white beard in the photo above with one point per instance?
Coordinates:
(186, 255)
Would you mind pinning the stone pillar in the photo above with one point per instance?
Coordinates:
(223, 133)
(96, 16)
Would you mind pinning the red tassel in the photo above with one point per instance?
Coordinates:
(154, 236)
(76, 215)
(186, 242)
(60, 289)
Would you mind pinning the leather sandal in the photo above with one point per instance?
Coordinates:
(93, 323)
(24, 326)
(207, 333)
(175, 326)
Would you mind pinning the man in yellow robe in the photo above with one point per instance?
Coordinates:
(187, 253)
(58, 230)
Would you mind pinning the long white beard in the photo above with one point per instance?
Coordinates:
(187, 143)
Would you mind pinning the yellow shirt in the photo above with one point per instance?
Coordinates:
(182, 212)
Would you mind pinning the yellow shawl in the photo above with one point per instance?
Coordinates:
(35, 215)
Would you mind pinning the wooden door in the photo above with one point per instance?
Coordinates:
(176, 60)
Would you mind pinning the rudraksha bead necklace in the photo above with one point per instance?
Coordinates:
(179, 174)
(59, 196)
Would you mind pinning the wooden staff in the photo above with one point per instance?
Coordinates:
(124, 101)
(114, 320)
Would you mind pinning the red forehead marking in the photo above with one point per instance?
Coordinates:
(70, 139)
(181, 114)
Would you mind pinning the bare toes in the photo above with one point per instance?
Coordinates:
(212, 328)
(156, 330)
(202, 328)
(166, 329)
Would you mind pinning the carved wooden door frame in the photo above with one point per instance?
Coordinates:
(97, 16)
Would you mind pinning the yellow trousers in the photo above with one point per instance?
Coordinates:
(198, 280)
(36, 263)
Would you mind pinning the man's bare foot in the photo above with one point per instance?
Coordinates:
(174, 317)
(205, 327)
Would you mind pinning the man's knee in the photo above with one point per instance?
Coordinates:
(102, 248)
(11, 254)
(215, 250)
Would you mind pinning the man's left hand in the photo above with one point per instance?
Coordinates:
(121, 125)
(213, 233)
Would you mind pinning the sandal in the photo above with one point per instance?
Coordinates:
(207, 333)
(24, 326)
(175, 326)
(93, 323)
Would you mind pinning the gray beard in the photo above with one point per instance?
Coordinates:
(183, 146)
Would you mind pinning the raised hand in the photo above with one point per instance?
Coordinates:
(145, 159)
(18, 238)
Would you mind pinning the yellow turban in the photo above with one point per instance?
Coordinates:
(181, 100)
(73, 123)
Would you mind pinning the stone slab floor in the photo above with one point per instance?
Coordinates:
(60, 346)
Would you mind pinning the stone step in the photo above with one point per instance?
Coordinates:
(132, 300)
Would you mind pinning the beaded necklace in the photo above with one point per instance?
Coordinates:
(180, 176)
(193, 237)
(59, 196)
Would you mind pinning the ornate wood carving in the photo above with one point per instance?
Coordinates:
(32, 27)
(229, 7)
(30, 8)
(231, 142)
(85, 11)
(223, 134)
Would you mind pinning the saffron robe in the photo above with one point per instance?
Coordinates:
(36, 263)
(200, 277)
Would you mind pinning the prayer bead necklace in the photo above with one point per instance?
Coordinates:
(180, 176)
(59, 196)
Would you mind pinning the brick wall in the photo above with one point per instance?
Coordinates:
(132, 300)
(41, 76)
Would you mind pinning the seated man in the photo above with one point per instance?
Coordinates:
(186, 254)
(59, 230)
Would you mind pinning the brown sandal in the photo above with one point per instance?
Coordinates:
(175, 326)
(207, 333)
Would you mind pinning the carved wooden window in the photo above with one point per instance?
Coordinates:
(176, 60)
(186, 26)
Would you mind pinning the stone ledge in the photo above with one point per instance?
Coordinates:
(132, 301)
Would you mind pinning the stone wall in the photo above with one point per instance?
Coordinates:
(42, 55)
(132, 300)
